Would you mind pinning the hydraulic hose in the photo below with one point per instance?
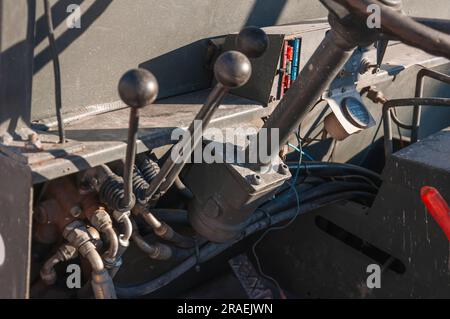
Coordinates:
(164, 231)
(64, 253)
(258, 221)
(156, 251)
(335, 169)
(102, 285)
(306, 192)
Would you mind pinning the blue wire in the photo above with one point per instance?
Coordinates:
(309, 157)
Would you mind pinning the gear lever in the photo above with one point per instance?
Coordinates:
(232, 70)
(137, 89)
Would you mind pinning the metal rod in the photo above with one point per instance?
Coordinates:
(130, 156)
(175, 163)
(56, 71)
(436, 24)
(388, 148)
(403, 28)
(419, 94)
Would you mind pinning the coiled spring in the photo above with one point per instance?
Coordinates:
(148, 168)
(140, 185)
(112, 193)
(112, 190)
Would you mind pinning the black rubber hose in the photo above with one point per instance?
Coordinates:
(175, 216)
(322, 169)
(183, 190)
(212, 249)
(306, 193)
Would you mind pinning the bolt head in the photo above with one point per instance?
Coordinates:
(255, 179)
(76, 211)
(138, 88)
(283, 169)
(252, 41)
(232, 69)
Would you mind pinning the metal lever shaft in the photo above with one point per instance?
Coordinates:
(137, 88)
(232, 70)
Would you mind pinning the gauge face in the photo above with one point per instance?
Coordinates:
(356, 112)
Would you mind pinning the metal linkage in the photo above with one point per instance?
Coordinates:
(400, 27)
(232, 70)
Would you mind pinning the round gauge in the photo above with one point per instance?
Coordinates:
(355, 112)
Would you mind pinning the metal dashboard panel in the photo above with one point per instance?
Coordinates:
(15, 228)
(397, 224)
(103, 136)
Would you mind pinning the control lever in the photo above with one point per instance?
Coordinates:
(137, 89)
(232, 70)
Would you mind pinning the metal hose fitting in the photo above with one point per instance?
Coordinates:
(164, 231)
(64, 253)
(124, 239)
(77, 235)
(156, 251)
(103, 223)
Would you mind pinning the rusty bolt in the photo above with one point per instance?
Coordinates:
(33, 143)
(76, 211)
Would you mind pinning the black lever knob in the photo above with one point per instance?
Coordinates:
(252, 41)
(232, 69)
(137, 88)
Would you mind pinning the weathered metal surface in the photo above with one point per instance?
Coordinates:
(259, 87)
(115, 37)
(49, 149)
(227, 192)
(401, 64)
(103, 136)
(105, 142)
(15, 228)
(249, 278)
(16, 63)
(168, 38)
(397, 224)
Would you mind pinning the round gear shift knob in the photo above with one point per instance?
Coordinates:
(232, 69)
(138, 88)
(252, 41)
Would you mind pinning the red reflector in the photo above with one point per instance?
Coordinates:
(437, 207)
